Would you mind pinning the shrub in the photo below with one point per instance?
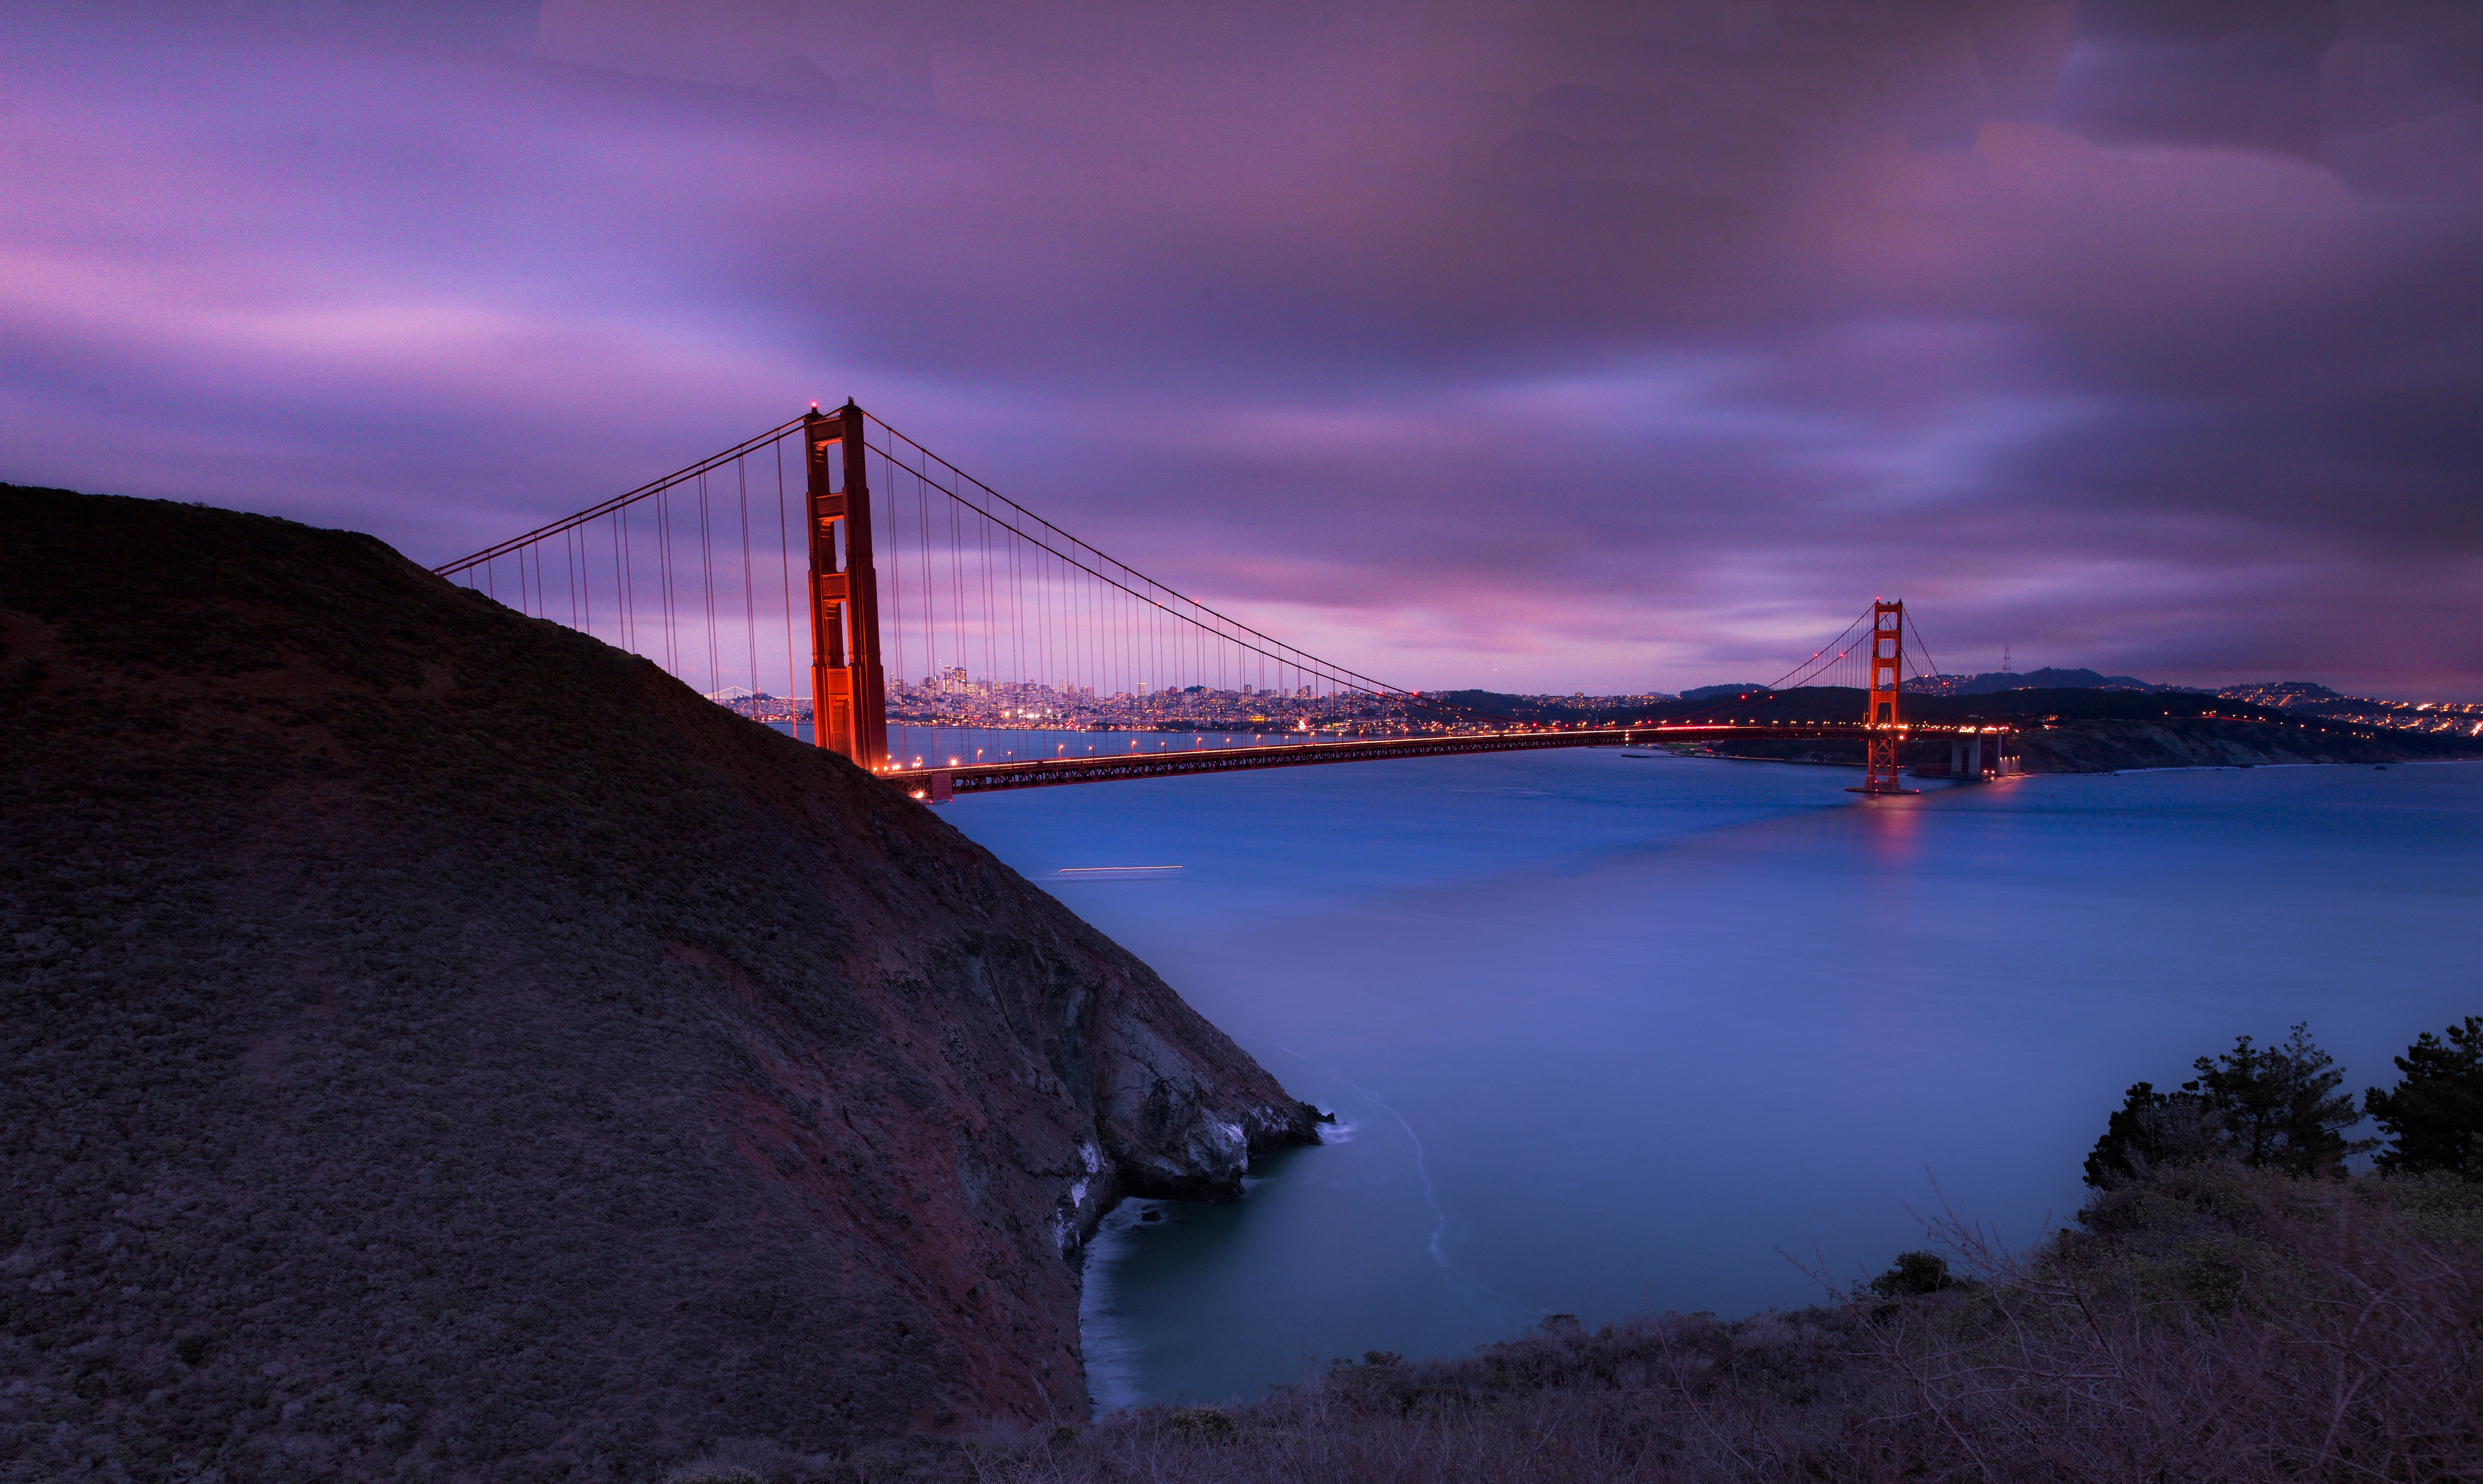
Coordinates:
(1913, 1273)
(2155, 1130)
(2434, 1116)
(1202, 1422)
(2271, 1106)
(2280, 1104)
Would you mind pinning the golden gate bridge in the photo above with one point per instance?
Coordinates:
(879, 556)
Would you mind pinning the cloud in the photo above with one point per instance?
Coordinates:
(1615, 345)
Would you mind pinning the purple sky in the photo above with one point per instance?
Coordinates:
(1556, 346)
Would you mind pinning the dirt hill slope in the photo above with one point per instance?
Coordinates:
(433, 1044)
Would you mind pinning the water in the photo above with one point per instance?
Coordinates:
(932, 747)
(1609, 1034)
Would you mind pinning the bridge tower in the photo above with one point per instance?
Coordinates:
(1888, 664)
(849, 689)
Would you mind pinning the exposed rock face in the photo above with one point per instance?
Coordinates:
(433, 1041)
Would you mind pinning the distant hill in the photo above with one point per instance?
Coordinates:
(2282, 694)
(1706, 699)
(1841, 702)
(1485, 702)
(438, 1045)
(1992, 681)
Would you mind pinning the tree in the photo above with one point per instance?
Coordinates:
(2278, 1104)
(1913, 1273)
(2151, 1129)
(2434, 1116)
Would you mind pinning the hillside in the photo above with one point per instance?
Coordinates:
(2046, 677)
(436, 1043)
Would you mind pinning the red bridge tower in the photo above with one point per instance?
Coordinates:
(1888, 664)
(849, 689)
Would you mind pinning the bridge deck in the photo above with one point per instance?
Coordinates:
(982, 777)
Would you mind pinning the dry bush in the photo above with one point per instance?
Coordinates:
(2203, 1324)
(2217, 1323)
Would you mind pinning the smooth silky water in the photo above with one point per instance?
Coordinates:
(1612, 1034)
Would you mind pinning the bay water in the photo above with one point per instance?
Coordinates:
(932, 747)
(1607, 1034)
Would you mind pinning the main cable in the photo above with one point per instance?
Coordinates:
(1335, 674)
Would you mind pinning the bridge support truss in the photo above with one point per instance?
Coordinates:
(848, 687)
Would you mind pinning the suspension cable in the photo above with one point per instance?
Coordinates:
(626, 497)
(1353, 679)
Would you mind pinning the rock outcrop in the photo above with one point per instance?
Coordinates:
(435, 1044)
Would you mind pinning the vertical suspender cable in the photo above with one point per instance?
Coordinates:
(662, 645)
(624, 575)
(749, 600)
(1043, 623)
(1017, 619)
(672, 583)
(956, 589)
(957, 619)
(991, 620)
(930, 599)
(785, 570)
(894, 623)
(707, 582)
(674, 602)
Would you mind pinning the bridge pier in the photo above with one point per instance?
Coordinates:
(1967, 758)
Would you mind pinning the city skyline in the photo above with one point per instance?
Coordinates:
(955, 699)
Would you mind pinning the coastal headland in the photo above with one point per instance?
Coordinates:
(2093, 730)
(436, 1042)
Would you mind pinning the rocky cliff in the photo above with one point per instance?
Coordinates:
(436, 1043)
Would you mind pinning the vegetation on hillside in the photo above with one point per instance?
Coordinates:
(435, 1045)
(2230, 1306)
